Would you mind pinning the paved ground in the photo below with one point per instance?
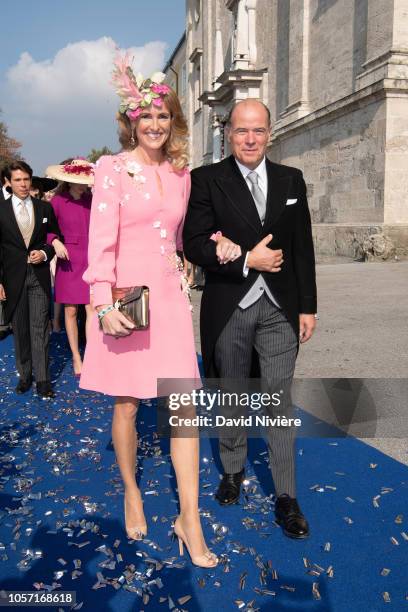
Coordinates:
(362, 333)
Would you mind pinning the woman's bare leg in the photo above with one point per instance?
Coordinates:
(71, 326)
(185, 458)
(124, 436)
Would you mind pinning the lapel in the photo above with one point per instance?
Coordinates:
(38, 218)
(12, 221)
(278, 189)
(235, 187)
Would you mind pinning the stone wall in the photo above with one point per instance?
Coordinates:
(342, 158)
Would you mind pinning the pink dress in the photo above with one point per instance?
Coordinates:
(135, 227)
(73, 219)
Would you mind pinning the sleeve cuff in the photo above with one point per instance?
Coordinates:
(101, 293)
(245, 269)
(45, 255)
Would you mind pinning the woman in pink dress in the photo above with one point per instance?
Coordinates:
(139, 202)
(72, 207)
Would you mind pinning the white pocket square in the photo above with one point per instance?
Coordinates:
(45, 220)
(289, 202)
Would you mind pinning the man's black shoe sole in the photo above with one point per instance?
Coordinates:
(229, 503)
(292, 535)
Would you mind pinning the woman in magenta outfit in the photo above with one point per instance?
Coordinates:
(138, 207)
(72, 207)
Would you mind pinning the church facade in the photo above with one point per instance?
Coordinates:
(334, 74)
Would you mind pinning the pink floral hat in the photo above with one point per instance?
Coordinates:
(136, 92)
(78, 171)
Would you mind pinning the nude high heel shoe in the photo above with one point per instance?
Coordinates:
(208, 559)
(134, 532)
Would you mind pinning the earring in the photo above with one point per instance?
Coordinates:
(132, 140)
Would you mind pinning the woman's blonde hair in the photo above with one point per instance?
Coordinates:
(176, 146)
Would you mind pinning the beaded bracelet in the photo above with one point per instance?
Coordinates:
(105, 311)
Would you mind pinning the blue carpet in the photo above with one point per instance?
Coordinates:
(61, 516)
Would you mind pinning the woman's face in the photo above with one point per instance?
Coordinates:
(153, 127)
(77, 190)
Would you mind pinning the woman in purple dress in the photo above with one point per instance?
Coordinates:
(72, 206)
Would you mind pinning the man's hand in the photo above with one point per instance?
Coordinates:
(114, 323)
(227, 250)
(36, 257)
(307, 324)
(263, 259)
(60, 249)
(2, 293)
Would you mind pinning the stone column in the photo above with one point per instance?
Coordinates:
(380, 18)
(216, 128)
(298, 98)
(396, 145)
(241, 55)
(251, 10)
(219, 52)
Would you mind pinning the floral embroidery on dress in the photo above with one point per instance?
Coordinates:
(132, 168)
(146, 196)
(102, 206)
(178, 265)
(156, 224)
(107, 182)
(139, 178)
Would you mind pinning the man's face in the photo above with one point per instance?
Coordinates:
(248, 133)
(20, 183)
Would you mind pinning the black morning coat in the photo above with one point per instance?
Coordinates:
(221, 200)
(14, 253)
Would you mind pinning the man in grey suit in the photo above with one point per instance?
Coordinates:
(260, 292)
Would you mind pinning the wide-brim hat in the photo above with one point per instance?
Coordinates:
(78, 171)
(47, 184)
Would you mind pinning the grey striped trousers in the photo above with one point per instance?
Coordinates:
(30, 323)
(264, 327)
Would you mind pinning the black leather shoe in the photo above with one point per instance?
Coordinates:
(230, 488)
(4, 333)
(290, 517)
(45, 390)
(23, 386)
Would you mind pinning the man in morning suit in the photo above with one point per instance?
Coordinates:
(25, 281)
(263, 300)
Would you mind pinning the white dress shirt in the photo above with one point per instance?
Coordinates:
(6, 194)
(17, 208)
(30, 208)
(262, 176)
(260, 284)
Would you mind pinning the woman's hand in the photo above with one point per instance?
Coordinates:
(114, 323)
(227, 250)
(60, 249)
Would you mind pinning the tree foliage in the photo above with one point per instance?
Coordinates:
(9, 147)
(95, 154)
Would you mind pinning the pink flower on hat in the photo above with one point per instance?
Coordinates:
(133, 114)
(160, 89)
